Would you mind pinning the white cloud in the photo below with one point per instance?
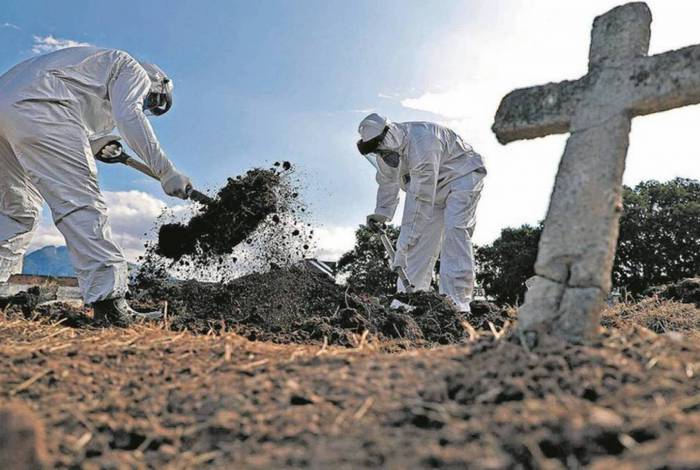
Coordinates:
(9, 25)
(46, 235)
(44, 44)
(527, 44)
(334, 241)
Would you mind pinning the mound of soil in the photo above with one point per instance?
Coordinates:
(229, 219)
(297, 305)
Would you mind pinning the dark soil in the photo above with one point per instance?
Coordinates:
(26, 301)
(148, 397)
(228, 220)
(256, 222)
(297, 305)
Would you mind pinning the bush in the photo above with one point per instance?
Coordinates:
(366, 265)
(659, 240)
(504, 265)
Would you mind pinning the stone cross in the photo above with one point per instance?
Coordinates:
(577, 246)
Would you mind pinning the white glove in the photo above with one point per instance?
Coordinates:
(110, 151)
(375, 221)
(176, 184)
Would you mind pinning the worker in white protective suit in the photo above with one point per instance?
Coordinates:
(51, 106)
(442, 177)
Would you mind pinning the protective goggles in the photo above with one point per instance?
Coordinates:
(159, 103)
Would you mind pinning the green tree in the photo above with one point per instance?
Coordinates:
(366, 265)
(659, 238)
(659, 243)
(504, 265)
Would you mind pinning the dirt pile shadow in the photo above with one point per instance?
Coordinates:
(298, 305)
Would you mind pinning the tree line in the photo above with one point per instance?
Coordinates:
(659, 243)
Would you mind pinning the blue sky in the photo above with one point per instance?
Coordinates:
(255, 82)
(261, 81)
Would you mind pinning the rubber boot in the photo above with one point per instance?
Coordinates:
(116, 312)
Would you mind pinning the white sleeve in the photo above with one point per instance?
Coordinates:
(127, 91)
(388, 190)
(424, 162)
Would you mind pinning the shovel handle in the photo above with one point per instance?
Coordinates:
(126, 159)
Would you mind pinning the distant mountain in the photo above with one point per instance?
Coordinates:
(48, 261)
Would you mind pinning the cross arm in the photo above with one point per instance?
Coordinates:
(538, 111)
(666, 81)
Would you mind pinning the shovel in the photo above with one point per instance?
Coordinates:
(122, 157)
(392, 254)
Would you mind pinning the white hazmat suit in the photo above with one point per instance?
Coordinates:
(443, 178)
(51, 106)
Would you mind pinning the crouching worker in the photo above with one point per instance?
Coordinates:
(442, 177)
(51, 106)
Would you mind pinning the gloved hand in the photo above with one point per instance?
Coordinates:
(375, 222)
(176, 184)
(110, 151)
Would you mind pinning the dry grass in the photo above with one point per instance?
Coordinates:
(660, 316)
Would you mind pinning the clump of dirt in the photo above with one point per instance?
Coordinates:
(65, 313)
(229, 219)
(297, 305)
(26, 301)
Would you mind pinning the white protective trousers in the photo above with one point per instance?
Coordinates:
(45, 154)
(447, 236)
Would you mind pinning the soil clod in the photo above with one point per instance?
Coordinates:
(228, 220)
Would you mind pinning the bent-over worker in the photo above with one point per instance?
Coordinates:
(51, 107)
(442, 177)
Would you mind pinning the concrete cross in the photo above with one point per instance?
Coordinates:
(577, 247)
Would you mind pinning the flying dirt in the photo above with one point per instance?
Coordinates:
(238, 209)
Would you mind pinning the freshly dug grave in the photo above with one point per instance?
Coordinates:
(297, 305)
(148, 397)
